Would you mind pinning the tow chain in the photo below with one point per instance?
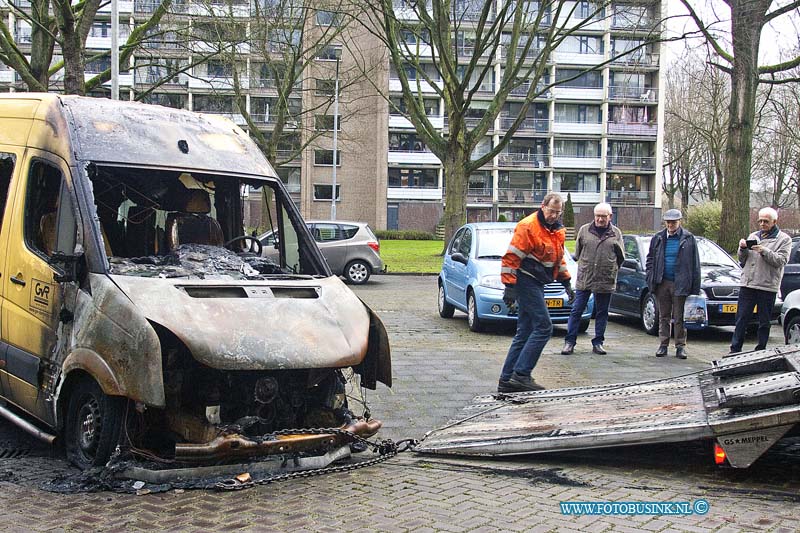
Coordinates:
(386, 449)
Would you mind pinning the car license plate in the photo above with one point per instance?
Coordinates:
(554, 302)
(732, 308)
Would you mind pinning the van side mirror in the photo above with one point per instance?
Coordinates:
(631, 263)
(72, 265)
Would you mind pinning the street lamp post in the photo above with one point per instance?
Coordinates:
(114, 50)
(335, 138)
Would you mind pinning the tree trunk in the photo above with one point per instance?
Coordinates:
(456, 182)
(746, 25)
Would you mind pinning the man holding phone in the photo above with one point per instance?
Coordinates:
(762, 256)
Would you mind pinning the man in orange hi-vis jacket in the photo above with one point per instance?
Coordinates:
(534, 258)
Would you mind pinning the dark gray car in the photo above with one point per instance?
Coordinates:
(351, 248)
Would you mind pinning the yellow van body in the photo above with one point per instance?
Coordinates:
(129, 285)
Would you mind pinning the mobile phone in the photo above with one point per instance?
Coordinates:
(750, 243)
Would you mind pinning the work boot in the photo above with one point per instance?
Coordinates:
(661, 352)
(523, 383)
(680, 352)
(504, 386)
(598, 349)
(569, 347)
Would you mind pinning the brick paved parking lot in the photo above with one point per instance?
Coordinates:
(439, 365)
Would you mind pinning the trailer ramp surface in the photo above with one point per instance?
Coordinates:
(746, 402)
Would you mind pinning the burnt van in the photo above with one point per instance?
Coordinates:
(137, 313)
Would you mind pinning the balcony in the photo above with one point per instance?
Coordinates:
(631, 163)
(638, 59)
(287, 156)
(424, 86)
(521, 196)
(579, 128)
(481, 195)
(631, 197)
(123, 6)
(523, 159)
(519, 52)
(633, 128)
(125, 78)
(414, 193)
(536, 125)
(578, 93)
(7, 76)
(412, 157)
(572, 58)
(580, 197)
(522, 90)
(577, 162)
(216, 82)
(236, 118)
(402, 123)
(629, 21)
(637, 94)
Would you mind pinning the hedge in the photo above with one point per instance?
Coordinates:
(405, 235)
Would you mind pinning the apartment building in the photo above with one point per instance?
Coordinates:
(596, 136)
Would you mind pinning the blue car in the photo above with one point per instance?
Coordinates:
(470, 279)
(716, 304)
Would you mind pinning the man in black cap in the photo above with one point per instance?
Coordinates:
(673, 273)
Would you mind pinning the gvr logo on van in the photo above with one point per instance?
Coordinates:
(41, 296)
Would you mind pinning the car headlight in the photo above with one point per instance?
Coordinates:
(492, 282)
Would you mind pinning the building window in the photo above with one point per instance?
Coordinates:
(576, 182)
(323, 192)
(413, 178)
(581, 80)
(324, 87)
(325, 157)
(325, 123)
(330, 53)
(327, 18)
(218, 69)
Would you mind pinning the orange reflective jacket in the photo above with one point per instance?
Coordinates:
(536, 251)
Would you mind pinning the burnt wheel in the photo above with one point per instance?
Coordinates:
(93, 425)
(650, 314)
(357, 272)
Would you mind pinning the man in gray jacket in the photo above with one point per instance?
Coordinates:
(673, 273)
(762, 256)
(598, 250)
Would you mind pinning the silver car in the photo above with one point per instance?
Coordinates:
(351, 248)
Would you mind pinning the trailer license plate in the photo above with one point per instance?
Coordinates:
(554, 302)
(729, 308)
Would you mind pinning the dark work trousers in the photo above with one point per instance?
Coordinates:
(670, 308)
(748, 299)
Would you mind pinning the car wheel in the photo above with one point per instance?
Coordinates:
(357, 272)
(792, 330)
(583, 326)
(446, 310)
(474, 322)
(93, 425)
(650, 314)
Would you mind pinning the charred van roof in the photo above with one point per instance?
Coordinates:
(108, 131)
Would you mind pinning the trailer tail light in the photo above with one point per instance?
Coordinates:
(720, 457)
(375, 246)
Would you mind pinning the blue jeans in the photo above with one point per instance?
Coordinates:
(534, 329)
(749, 298)
(601, 302)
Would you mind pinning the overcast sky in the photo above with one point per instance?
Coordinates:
(779, 39)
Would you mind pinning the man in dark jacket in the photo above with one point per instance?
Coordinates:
(598, 250)
(673, 273)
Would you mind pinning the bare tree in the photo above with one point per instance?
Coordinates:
(697, 97)
(747, 20)
(449, 46)
(67, 25)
